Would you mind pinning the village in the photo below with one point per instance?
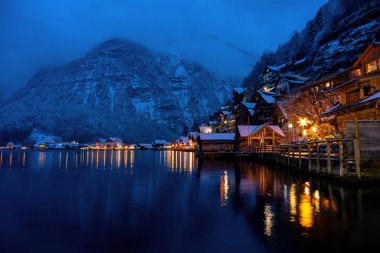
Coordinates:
(327, 126)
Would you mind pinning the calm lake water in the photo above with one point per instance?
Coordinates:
(169, 201)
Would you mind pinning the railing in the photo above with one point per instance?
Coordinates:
(339, 157)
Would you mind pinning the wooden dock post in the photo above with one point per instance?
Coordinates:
(328, 158)
(309, 151)
(357, 150)
(299, 156)
(318, 157)
(341, 158)
(288, 155)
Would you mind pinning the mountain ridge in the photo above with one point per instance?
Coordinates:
(120, 88)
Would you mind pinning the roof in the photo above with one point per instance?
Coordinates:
(268, 98)
(226, 112)
(374, 96)
(366, 51)
(249, 105)
(217, 137)
(249, 130)
(339, 107)
(300, 61)
(239, 90)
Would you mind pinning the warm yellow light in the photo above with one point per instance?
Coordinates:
(303, 122)
(290, 125)
(304, 132)
(225, 122)
(314, 129)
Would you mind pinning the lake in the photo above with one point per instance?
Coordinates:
(169, 201)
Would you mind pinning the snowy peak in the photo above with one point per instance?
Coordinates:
(120, 88)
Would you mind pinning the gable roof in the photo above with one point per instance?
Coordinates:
(268, 98)
(248, 130)
(217, 137)
(371, 46)
(249, 105)
(239, 90)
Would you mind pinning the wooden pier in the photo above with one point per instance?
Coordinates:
(335, 158)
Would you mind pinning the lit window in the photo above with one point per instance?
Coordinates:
(316, 88)
(327, 84)
(356, 72)
(371, 66)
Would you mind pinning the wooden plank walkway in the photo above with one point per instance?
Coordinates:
(335, 158)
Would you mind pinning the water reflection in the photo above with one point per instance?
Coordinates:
(222, 199)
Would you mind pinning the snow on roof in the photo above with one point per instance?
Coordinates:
(300, 61)
(246, 130)
(374, 96)
(251, 111)
(101, 140)
(239, 90)
(277, 129)
(269, 99)
(249, 130)
(218, 137)
(332, 108)
(226, 112)
(213, 122)
(249, 105)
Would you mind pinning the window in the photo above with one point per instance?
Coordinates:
(327, 84)
(367, 91)
(356, 72)
(371, 66)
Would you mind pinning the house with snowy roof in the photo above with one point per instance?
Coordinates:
(264, 104)
(241, 95)
(216, 142)
(359, 96)
(244, 113)
(258, 135)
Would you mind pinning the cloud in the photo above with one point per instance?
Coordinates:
(226, 36)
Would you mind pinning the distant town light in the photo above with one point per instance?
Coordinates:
(290, 125)
(314, 129)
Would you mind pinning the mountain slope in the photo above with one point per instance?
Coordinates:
(119, 89)
(330, 42)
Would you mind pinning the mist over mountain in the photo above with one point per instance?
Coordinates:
(120, 88)
(330, 42)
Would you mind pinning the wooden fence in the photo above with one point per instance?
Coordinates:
(331, 157)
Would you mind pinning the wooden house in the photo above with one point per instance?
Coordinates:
(359, 98)
(259, 135)
(264, 106)
(244, 113)
(241, 94)
(216, 142)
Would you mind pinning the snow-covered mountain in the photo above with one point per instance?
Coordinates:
(330, 42)
(119, 89)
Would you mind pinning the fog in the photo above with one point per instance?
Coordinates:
(226, 36)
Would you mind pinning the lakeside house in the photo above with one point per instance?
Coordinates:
(259, 135)
(216, 142)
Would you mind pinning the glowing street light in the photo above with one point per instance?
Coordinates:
(303, 122)
(314, 129)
